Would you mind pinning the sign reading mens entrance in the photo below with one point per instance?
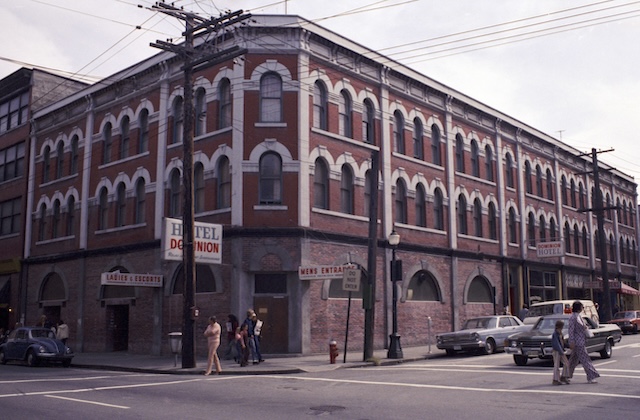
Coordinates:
(207, 241)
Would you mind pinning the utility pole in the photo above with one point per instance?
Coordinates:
(194, 26)
(598, 208)
(369, 295)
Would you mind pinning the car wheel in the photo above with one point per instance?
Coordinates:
(3, 359)
(520, 360)
(450, 352)
(635, 328)
(489, 346)
(32, 359)
(606, 352)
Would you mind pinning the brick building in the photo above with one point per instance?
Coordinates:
(284, 139)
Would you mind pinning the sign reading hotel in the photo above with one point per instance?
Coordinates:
(117, 278)
(323, 272)
(207, 241)
(550, 249)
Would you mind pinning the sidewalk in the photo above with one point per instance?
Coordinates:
(273, 364)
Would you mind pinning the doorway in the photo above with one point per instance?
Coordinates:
(117, 338)
(273, 311)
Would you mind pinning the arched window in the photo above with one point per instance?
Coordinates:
(596, 240)
(480, 291)
(107, 142)
(270, 178)
(572, 192)
(624, 213)
(270, 98)
(563, 190)
(120, 205)
(628, 252)
(401, 202)
(143, 131)
(418, 134)
(585, 242)
(124, 138)
(552, 230)
(621, 250)
(459, 153)
(200, 109)
(205, 280)
(398, 132)
(174, 194)
(224, 183)
(549, 185)
(612, 248)
(368, 191)
(567, 238)
(59, 160)
(224, 97)
(421, 206)
(423, 287)
(42, 226)
(581, 195)
(619, 210)
(320, 106)
(608, 205)
(140, 201)
(576, 240)
(475, 159)
(531, 230)
(438, 210)
(71, 212)
(346, 190)
(527, 178)
(436, 153)
(539, 181)
(198, 188)
(634, 255)
(513, 231)
(462, 215)
(46, 164)
(321, 185)
(477, 217)
(488, 161)
(75, 156)
(345, 109)
(55, 225)
(542, 228)
(509, 171)
(493, 222)
(52, 289)
(177, 128)
(103, 211)
(368, 132)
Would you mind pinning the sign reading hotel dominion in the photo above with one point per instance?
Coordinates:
(207, 244)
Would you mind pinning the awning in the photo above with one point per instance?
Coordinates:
(5, 289)
(628, 290)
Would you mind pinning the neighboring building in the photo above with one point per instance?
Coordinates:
(284, 137)
(21, 93)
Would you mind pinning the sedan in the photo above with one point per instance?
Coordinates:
(485, 334)
(34, 345)
(628, 321)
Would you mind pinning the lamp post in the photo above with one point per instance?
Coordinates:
(395, 349)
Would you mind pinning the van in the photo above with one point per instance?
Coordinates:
(536, 310)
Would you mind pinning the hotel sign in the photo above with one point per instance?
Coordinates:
(550, 249)
(117, 278)
(207, 241)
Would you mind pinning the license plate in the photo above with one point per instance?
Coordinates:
(457, 347)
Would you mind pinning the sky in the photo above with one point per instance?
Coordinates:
(567, 68)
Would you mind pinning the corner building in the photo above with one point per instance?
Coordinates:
(284, 137)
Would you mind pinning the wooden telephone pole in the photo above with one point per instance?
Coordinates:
(194, 26)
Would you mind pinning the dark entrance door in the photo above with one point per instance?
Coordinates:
(274, 312)
(117, 328)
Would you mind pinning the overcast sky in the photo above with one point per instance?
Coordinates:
(568, 68)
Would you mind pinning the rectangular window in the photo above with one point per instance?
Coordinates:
(12, 162)
(10, 216)
(14, 112)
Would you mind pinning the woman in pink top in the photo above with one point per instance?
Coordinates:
(213, 340)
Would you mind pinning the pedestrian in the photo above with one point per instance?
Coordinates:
(557, 342)
(578, 345)
(251, 336)
(231, 327)
(62, 333)
(213, 340)
(242, 345)
(257, 335)
(523, 312)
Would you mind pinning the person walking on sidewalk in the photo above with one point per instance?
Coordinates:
(213, 340)
(62, 333)
(557, 342)
(251, 336)
(242, 345)
(257, 335)
(578, 344)
(232, 326)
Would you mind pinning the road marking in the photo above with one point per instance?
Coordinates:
(457, 388)
(88, 402)
(87, 378)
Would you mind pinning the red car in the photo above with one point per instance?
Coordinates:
(628, 321)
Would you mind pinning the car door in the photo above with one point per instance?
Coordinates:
(594, 343)
(19, 345)
(507, 326)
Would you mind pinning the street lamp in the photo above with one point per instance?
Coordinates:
(395, 349)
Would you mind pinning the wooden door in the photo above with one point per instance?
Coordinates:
(273, 311)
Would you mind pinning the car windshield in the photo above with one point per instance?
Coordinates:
(626, 314)
(545, 309)
(479, 323)
(547, 325)
(42, 334)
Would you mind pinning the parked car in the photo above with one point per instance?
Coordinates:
(485, 334)
(552, 307)
(34, 345)
(537, 342)
(628, 321)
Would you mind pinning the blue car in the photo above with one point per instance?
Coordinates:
(34, 345)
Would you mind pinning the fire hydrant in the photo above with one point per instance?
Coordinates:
(333, 351)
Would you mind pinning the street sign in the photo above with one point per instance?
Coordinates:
(323, 272)
(351, 280)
